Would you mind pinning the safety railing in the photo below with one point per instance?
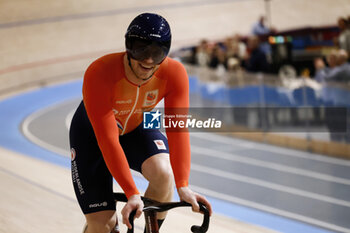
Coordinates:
(267, 103)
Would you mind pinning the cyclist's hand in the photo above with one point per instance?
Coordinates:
(187, 195)
(134, 203)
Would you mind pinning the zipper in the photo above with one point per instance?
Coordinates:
(133, 109)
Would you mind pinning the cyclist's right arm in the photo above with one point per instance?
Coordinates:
(97, 99)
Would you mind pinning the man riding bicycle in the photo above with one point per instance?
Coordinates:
(107, 137)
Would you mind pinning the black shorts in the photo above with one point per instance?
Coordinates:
(92, 181)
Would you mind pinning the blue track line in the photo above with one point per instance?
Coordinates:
(15, 109)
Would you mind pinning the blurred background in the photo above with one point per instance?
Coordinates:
(275, 54)
(279, 69)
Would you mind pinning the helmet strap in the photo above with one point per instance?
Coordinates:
(144, 79)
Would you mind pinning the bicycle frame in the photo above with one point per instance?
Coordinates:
(152, 207)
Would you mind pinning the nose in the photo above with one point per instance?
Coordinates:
(148, 60)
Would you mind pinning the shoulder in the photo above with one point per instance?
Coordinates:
(172, 68)
(99, 76)
(174, 62)
(108, 60)
(170, 63)
(175, 73)
(105, 66)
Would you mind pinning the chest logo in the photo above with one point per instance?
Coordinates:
(150, 98)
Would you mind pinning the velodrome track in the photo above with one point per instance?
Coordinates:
(280, 189)
(253, 187)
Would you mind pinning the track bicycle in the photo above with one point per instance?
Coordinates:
(153, 207)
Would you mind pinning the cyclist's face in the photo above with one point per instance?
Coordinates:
(146, 56)
(143, 49)
(145, 68)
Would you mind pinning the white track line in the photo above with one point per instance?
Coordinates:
(269, 209)
(69, 117)
(274, 166)
(261, 207)
(195, 149)
(268, 148)
(269, 185)
(27, 133)
(25, 128)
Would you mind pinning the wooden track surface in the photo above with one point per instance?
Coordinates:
(38, 197)
(57, 40)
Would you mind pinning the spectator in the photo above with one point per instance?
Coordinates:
(343, 40)
(235, 46)
(202, 54)
(344, 36)
(218, 56)
(235, 52)
(255, 60)
(342, 73)
(259, 28)
(322, 70)
(262, 31)
(338, 68)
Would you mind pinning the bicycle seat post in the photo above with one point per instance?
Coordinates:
(151, 221)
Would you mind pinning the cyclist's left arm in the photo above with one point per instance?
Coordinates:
(177, 101)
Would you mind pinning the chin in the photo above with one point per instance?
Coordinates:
(146, 75)
(143, 75)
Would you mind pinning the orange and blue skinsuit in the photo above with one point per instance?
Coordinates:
(115, 107)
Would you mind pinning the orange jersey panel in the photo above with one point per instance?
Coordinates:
(115, 107)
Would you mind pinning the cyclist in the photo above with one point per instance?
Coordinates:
(107, 137)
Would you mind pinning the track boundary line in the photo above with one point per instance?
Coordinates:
(31, 137)
(273, 166)
(280, 150)
(272, 210)
(269, 185)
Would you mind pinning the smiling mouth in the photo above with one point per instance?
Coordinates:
(146, 68)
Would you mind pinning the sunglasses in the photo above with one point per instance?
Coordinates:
(143, 49)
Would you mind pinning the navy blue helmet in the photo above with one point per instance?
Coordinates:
(148, 35)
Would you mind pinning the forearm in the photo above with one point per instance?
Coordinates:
(180, 157)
